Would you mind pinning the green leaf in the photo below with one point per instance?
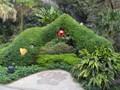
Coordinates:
(52, 9)
(109, 64)
(86, 73)
(91, 62)
(0, 67)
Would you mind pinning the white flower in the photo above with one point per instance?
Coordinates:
(81, 23)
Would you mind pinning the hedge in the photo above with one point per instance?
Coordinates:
(36, 36)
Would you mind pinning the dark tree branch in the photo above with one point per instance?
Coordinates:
(112, 6)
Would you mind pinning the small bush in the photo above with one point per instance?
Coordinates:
(98, 69)
(59, 48)
(46, 60)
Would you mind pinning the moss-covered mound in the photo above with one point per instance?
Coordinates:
(84, 38)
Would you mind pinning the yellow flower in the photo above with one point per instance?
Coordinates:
(23, 51)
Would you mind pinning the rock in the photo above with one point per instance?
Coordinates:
(47, 80)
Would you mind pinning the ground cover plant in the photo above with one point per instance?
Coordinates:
(92, 62)
(46, 60)
(20, 72)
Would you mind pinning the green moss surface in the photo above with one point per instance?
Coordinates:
(36, 36)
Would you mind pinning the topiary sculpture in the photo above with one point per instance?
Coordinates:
(33, 39)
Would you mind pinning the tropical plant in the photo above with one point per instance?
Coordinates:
(97, 70)
(8, 15)
(48, 15)
(7, 11)
(23, 7)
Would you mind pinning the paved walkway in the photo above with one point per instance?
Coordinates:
(46, 80)
(6, 88)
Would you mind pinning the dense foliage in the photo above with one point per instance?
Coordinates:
(46, 60)
(20, 72)
(82, 10)
(109, 26)
(56, 48)
(46, 16)
(17, 16)
(63, 61)
(37, 37)
(97, 70)
(100, 15)
(90, 12)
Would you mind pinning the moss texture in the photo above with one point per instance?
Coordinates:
(84, 38)
(46, 60)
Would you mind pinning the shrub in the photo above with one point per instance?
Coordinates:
(98, 69)
(47, 60)
(59, 48)
(4, 45)
(84, 38)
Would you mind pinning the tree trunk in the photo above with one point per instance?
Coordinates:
(111, 4)
(21, 19)
(21, 22)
